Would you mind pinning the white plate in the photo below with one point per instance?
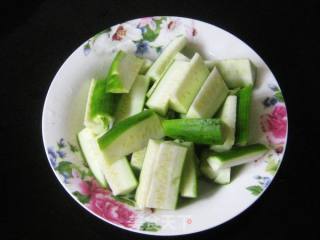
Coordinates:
(64, 110)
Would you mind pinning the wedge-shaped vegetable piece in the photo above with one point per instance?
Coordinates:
(243, 115)
(206, 170)
(130, 135)
(156, 82)
(166, 175)
(159, 66)
(146, 173)
(137, 159)
(210, 97)
(132, 102)
(189, 180)
(159, 100)
(228, 117)
(123, 71)
(120, 177)
(92, 154)
(236, 156)
(202, 131)
(188, 85)
(221, 176)
(237, 72)
(210, 64)
(145, 66)
(179, 57)
(117, 173)
(100, 107)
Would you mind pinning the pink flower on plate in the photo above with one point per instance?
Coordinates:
(79, 184)
(275, 125)
(119, 34)
(102, 204)
(187, 29)
(171, 25)
(84, 187)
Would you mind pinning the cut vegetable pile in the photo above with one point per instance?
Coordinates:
(145, 123)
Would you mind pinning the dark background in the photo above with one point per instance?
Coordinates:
(37, 36)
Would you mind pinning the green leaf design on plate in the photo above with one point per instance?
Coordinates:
(278, 95)
(159, 21)
(87, 48)
(61, 144)
(272, 166)
(150, 226)
(86, 172)
(73, 148)
(255, 189)
(127, 199)
(65, 168)
(149, 34)
(159, 49)
(89, 173)
(82, 198)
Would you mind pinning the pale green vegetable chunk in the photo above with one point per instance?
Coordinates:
(132, 102)
(117, 174)
(210, 97)
(237, 72)
(130, 135)
(122, 73)
(228, 116)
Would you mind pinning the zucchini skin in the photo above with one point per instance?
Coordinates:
(102, 103)
(116, 81)
(201, 131)
(240, 151)
(243, 114)
(113, 84)
(101, 106)
(119, 128)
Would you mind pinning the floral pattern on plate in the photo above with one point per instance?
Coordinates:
(86, 189)
(275, 123)
(147, 37)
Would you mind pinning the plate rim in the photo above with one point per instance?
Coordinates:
(160, 233)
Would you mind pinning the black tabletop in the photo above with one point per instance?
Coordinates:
(37, 36)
